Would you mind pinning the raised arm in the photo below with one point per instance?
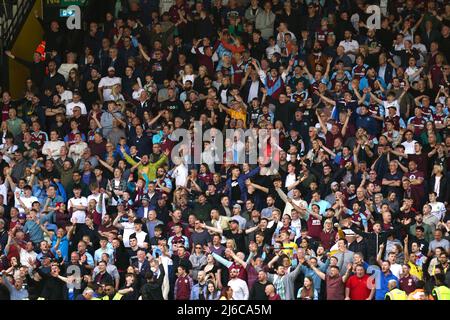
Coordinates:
(144, 54)
(321, 123)
(116, 222)
(317, 271)
(327, 100)
(376, 99)
(216, 230)
(105, 164)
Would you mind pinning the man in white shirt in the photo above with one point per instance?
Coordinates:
(141, 236)
(52, 148)
(66, 95)
(76, 102)
(126, 226)
(78, 205)
(350, 46)
(409, 143)
(106, 83)
(180, 174)
(26, 200)
(239, 286)
(99, 197)
(27, 254)
(437, 208)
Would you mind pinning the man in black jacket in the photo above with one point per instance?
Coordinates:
(151, 290)
(141, 266)
(37, 67)
(373, 241)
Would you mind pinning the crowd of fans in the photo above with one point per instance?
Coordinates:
(95, 206)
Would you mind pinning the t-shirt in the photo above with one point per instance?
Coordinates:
(107, 83)
(235, 190)
(128, 229)
(407, 284)
(239, 238)
(335, 288)
(359, 290)
(80, 215)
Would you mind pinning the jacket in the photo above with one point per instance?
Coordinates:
(288, 280)
(149, 169)
(152, 290)
(241, 181)
(195, 292)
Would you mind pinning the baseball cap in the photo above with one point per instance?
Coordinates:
(237, 206)
(349, 232)
(234, 221)
(22, 216)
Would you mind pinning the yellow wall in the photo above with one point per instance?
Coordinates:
(29, 38)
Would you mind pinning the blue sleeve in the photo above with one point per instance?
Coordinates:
(363, 84)
(222, 260)
(323, 266)
(186, 241)
(250, 174)
(364, 220)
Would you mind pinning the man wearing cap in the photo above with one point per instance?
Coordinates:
(107, 83)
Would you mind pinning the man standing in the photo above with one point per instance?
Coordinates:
(183, 284)
(239, 286)
(357, 287)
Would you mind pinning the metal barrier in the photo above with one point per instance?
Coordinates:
(15, 12)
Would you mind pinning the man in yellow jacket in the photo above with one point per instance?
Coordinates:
(440, 291)
(146, 169)
(394, 293)
(111, 294)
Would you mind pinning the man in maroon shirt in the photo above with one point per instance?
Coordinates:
(335, 284)
(416, 179)
(183, 284)
(357, 286)
(270, 293)
(407, 281)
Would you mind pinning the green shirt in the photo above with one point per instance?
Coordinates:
(14, 126)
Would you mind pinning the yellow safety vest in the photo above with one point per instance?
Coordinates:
(442, 293)
(117, 296)
(396, 294)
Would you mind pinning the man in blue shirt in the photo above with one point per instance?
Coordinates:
(366, 121)
(33, 229)
(382, 279)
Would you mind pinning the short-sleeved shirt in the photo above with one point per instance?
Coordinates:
(359, 290)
